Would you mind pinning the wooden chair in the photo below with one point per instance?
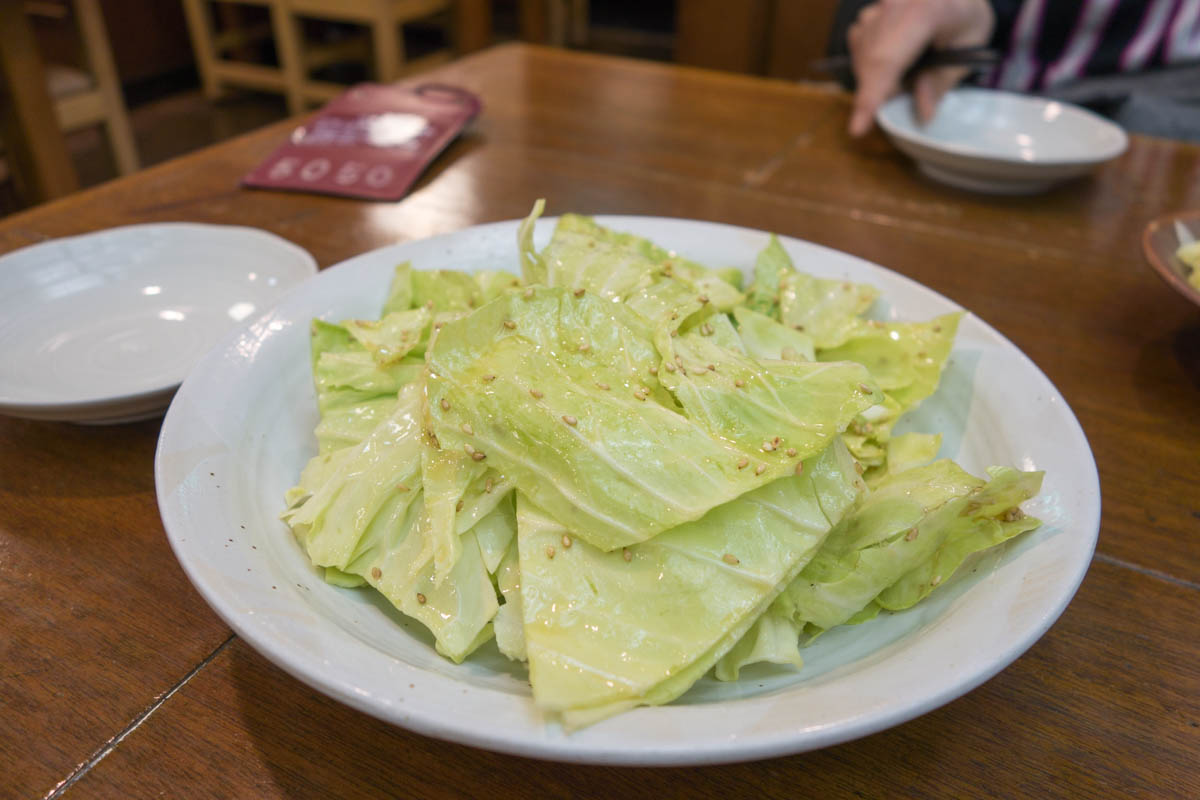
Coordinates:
(382, 18)
(217, 52)
(94, 97)
(382, 47)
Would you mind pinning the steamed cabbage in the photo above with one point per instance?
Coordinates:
(629, 470)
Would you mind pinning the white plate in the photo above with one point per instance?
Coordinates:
(103, 327)
(1002, 143)
(240, 429)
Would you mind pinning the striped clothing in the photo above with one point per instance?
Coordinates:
(1051, 43)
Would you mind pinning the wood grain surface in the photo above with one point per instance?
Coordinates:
(117, 681)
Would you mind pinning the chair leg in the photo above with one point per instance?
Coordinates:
(389, 49)
(289, 37)
(104, 72)
(200, 26)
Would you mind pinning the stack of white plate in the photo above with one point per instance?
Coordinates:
(102, 328)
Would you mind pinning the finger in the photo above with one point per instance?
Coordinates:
(931, 86)
(876, 83)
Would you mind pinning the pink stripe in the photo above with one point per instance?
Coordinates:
(1020, 69)
(1084, 39)
(1150, 32)
(1183, 39)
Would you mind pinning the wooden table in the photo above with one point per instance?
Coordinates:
(118, 681)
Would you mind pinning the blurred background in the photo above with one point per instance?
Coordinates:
(96, 88)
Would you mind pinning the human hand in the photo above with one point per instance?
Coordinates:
(890, 35)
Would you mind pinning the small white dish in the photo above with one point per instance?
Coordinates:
(103, 327)
(240, 429)
(996, 142)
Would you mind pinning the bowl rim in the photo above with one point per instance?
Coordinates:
(1171, 277)
(916, 136)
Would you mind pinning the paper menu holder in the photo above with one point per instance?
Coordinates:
(372, 142)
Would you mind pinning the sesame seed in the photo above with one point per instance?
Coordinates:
(699, 370)
(738, 382)
(467, 429)
(858, 467)
(627, 554)
(401, 487)
(703, 299)
(508, 323)
(536, 394)
(639, 396)
(711, 367)
(799, 467)
(570, 420)
(445, 404)
(654, 370)
(583, 348)
(730, 558)
(579, 292)
(760, 469)
(674, 333)
(567, 541)
(670, 367)
(768, 446)
(743, 463)
(862, 387)
(602, 386)
(527, 294)
(936, 580)
(679, 360)
(549, 551)
(937, 328)
(376, 573)
(479, 455)
(420, 598)
(487, 487)
(798, 327)
(489, 378)
(922, 354)
(791, 452)
(437, 326)
(846, 287)
(912, 534)
(458, 506)
(468, 449)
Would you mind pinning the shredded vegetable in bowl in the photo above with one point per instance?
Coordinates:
(629, 470)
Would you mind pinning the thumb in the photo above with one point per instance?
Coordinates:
(930, 86)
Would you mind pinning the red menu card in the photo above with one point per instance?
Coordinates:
(372, 142)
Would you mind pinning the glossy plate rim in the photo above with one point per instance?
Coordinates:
(191, 474)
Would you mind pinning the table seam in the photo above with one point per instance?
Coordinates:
(110, 745)
(1149, 572)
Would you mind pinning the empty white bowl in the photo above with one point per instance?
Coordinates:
(103, 327)
(997, 142)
